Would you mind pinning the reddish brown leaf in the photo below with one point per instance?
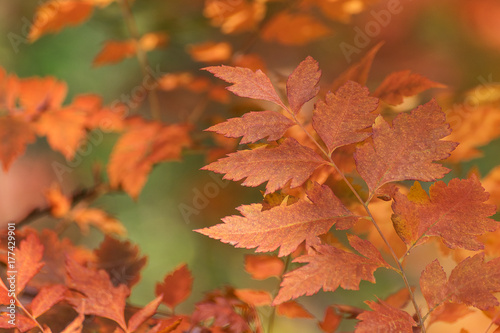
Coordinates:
(456, 212)
(28, 261)
(54, 15)
(292, 309)
(262, 164)
(221, 310)
(121, 260)
(46, 298)
(433, 284)
(302, 84)
(329, 268)
(247, 83)
(234, 17)
(450, 312)
(399, 299)
(143, 314)
(402, 84)
(15, 135)
(64, 129)
(143, 145)
(262, 267)
(254, 126)
(357, 72)
(294, 29)
(384, 318)
(76, 325)
(406, 149)
(331, 321)
(115, 51)
(254, 297)
(339, 120)
(284, 226)
(176, 286)
(109, 304)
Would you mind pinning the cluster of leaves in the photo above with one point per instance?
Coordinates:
(313, 165)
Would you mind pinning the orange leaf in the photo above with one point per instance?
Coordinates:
(76, 325)
(28, 261)
(406, 149)
(384, 318)
(262, 267)
(143, 314)
(59, 203)
(64, 129)
(54, 15)
(15, 135)
(176, 286)
(234, 17)
(254, 297)
(339, 120)
(41, 94)
(456, 212)
(254, 126)
(294, 29)
(153, 40)
(46, 298)
(98, 218)
(109, 304)
(331, 321)
(211, 52)
(402, 84)
(329, 268)
(302, 84)
(261, 165)
(270, 229)
(292, 309)
(139, 148)
(115, 51)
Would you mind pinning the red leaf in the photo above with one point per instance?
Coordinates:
(115, 51)
(433, 284)
(46, 298)
(109, 304)
(28, 261)
(302, 84)
(331, 321)
(261, 165)
(384, 318)
(143, 314)
(176, 286)
(254, 297)
(406, 149)
(402, 84)
(254, 126)
(456, 212)
(15, 135)
(329, 268)
(247, 83)
(262, 267)
(339, 120)
(292, 309)
(222, 312)
(283, 226)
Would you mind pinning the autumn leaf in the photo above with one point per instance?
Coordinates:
(176, 286)
(87, 216)
(384, 318)
(15, 135)
(331, 321)
(456, 212)
(254, 297)
(330, 268)
(294, 29)
(283, 226)
(210, 52)
(46, 298)
(471, 282)
(115, 51)
(247, 83)
(254, 126)
(109, 304)
(292, 309)
(340, 119)
(38, 95)
(54, 15)
(402, 84)
(153, 40)
(262, 267)
(262, 164)
(143, 314)
(234, 17)
(406, 149)
(139, 148)
(302, 84)
(221, 310)
(28, 260)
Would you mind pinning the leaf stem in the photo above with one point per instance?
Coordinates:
(365, 206)
(141, 57)
(270, 323)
